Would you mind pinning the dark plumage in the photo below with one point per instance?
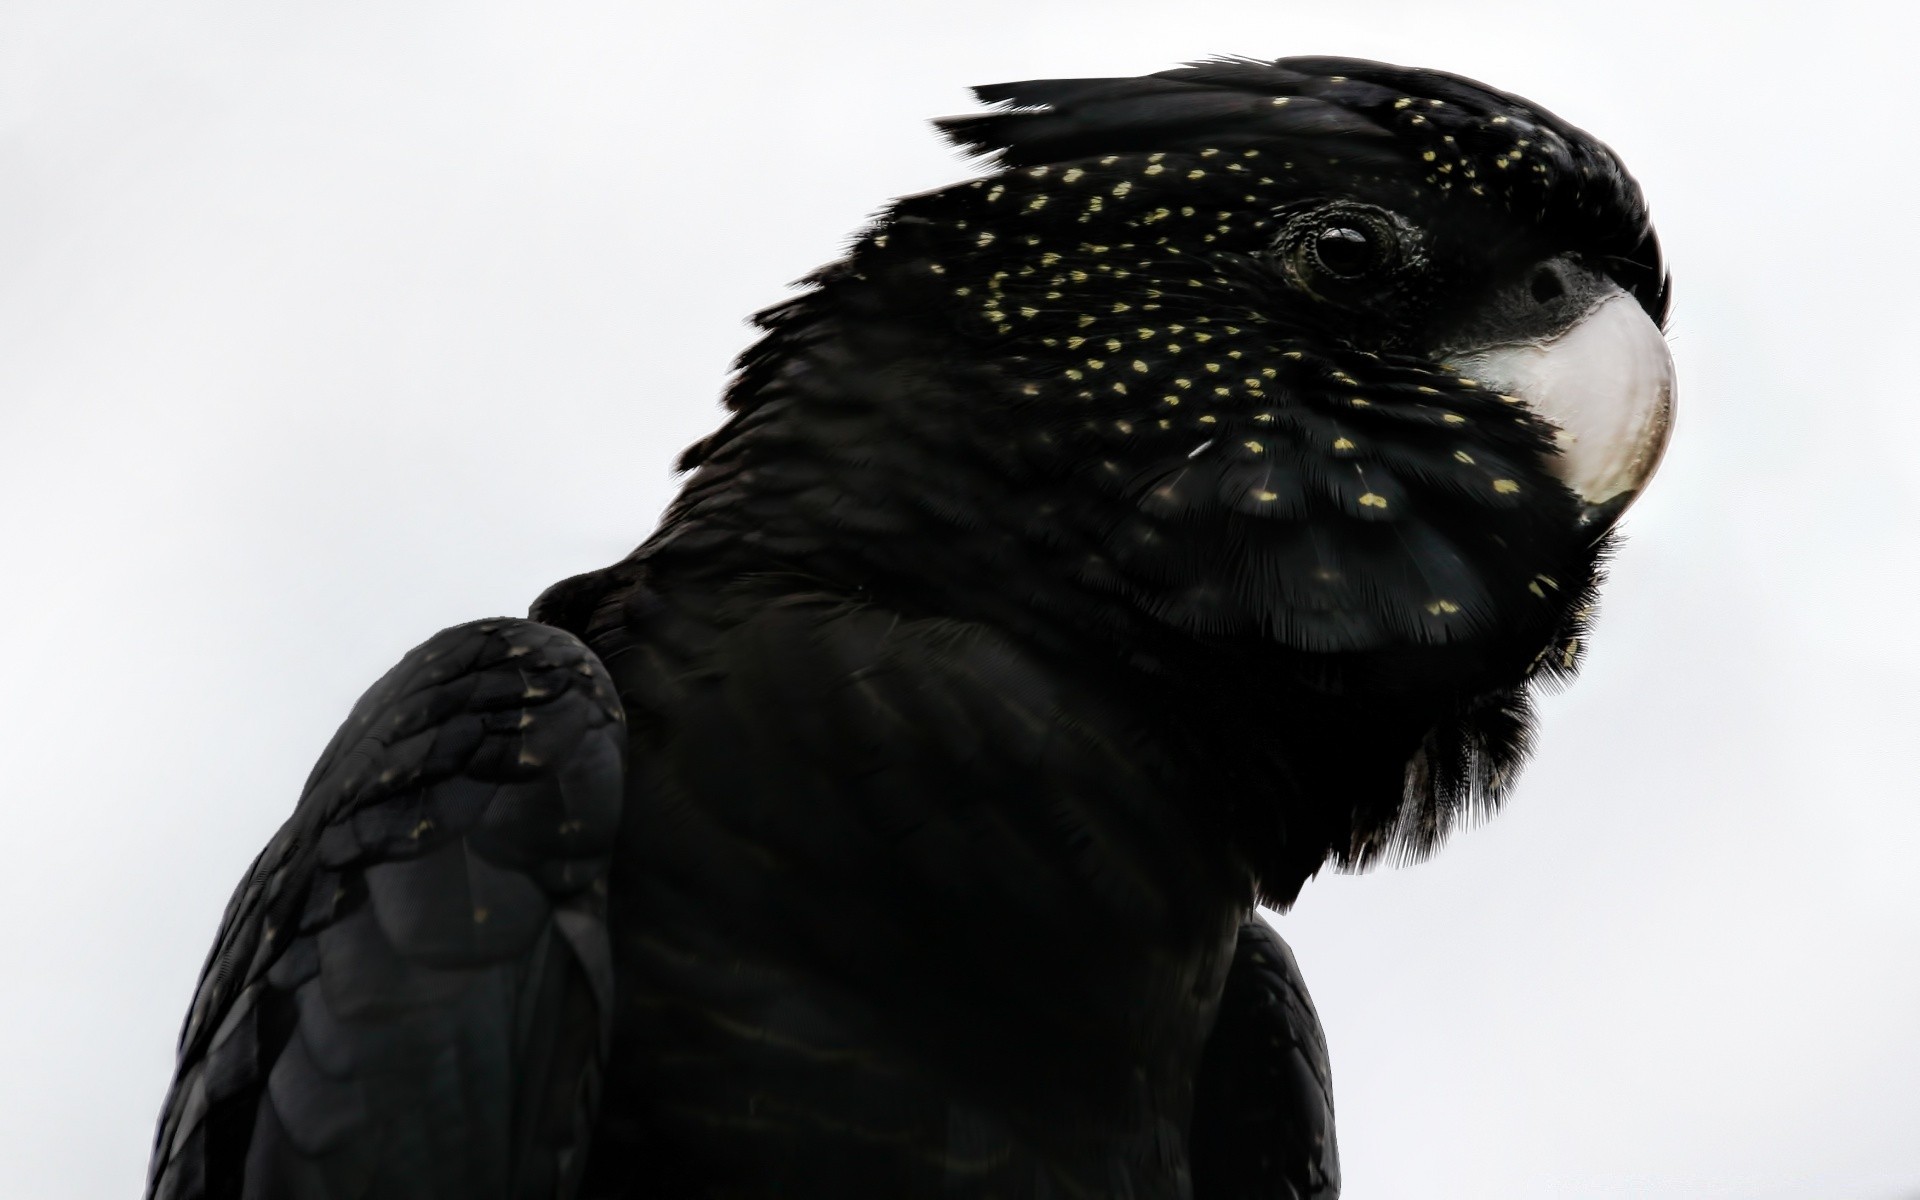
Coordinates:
(1101, 545)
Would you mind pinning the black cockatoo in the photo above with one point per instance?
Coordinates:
(1098, 549)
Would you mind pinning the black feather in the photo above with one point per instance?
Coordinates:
(1082, 559)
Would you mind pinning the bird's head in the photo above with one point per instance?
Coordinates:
(1353, 362)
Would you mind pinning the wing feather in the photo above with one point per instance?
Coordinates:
(1263, 1106)
(410, 994)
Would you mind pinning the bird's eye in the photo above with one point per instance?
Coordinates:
(1346, 251)
(1330, 249)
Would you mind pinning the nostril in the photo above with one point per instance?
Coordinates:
(1547, 286)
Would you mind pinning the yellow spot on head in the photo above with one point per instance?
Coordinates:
(1196, 173)
(1358, 402)
(1256, 447)
(1463, 456)
(1443, 606)
(1506, 487)
(1343, 443)
(1454, 419)
(1373, 500)
(1266, 497)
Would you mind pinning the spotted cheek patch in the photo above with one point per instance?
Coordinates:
(1337, 501)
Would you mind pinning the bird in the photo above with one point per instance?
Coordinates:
(1190, 500)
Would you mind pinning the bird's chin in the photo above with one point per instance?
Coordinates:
(1606, 384)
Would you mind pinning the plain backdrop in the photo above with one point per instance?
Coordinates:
(323, 326)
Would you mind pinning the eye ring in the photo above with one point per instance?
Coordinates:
(1334, 248)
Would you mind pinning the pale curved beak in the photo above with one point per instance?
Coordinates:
(1606, 383)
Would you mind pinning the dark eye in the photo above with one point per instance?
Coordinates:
(1332, 248)
(1347, 251)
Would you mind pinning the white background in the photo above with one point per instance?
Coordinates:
(323, 326)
